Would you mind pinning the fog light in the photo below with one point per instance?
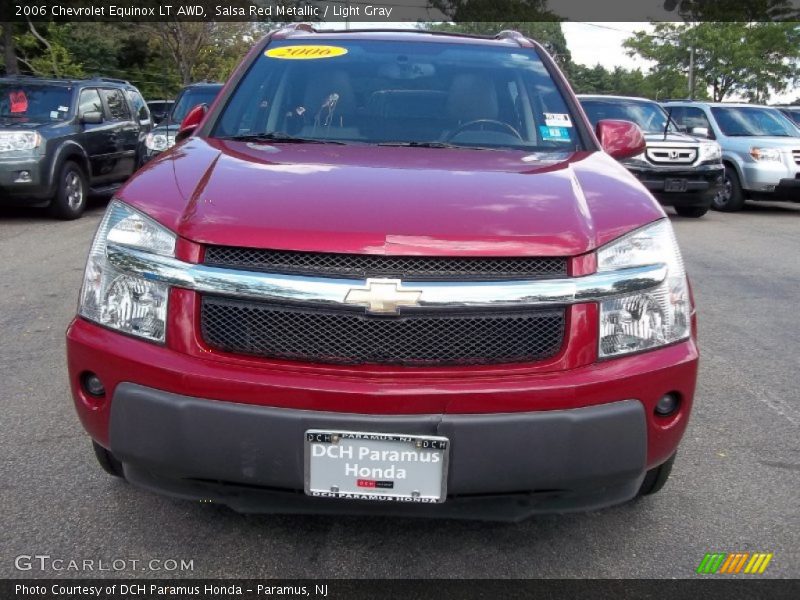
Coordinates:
(92, 385)
(667, 405)
(23, 177)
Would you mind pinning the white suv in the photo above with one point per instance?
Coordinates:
(760, 149)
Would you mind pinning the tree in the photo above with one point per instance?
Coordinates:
(752, 59)
(9, 49)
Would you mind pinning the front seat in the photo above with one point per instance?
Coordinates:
(330, 100)
(472, 98)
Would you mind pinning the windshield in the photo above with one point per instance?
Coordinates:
(751, 121)
(190, 98)
(649, 116)
(34, 102)
(404, 93)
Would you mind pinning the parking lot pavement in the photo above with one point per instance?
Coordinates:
(734, 486)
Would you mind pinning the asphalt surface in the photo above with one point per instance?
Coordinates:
(734, 487)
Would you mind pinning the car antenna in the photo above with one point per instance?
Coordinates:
(669, 120)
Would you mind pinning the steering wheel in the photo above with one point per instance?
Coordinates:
(496, 125)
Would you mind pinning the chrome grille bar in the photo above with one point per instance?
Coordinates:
(332, 292)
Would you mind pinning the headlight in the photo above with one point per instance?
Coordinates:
(765, 154)
(159, 141)
(19, 140)
(710, 151)
(117, 300)
(648, 319)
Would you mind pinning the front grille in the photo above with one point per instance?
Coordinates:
(672, 156)
(796, 156)
(361, 266)
(416, 338)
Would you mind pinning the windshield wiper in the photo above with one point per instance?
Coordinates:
(279, 137)
(433, 145)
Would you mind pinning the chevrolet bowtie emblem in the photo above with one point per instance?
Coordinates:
(383, 296)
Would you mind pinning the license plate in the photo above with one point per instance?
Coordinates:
(376, 466)
(676, 185)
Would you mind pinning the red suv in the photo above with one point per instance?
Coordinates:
(394, 272)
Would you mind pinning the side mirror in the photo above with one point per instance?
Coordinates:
(93, 117)
(621, 139)
(190, 122)
(699, 131)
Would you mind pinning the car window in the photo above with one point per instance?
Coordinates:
(24, 102)
(190, 98)
(89, 102)
(117, 106)
(690, 117)
(751, 121)
(793, 114)
(139, 105)
(649, 116)
(389, 92)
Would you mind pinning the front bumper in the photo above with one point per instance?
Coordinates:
(771, 178)
(523, 441)
(35, 187)
(702, 183)
(558, 460)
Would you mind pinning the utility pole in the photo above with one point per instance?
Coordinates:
(691, 71)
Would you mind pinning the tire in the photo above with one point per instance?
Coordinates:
(108, 461)
(691, 212)
(731, 197)
(71, 193)
(655, 478)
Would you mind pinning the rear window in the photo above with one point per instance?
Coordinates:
(386, 92)
(34, 102)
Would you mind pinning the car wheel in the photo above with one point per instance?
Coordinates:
(71, 194)
(731, 197)
(108, 461)
(693, 212)
(656, 478)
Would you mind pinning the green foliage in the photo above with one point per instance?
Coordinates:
(751, 59)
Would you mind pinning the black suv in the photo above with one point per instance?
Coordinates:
(162, 137)
(62, 138)
(679, 170)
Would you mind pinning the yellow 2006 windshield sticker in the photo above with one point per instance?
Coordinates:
(305, 52)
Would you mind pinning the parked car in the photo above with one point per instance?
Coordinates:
(162, 137)
(160, 110)
(399, 275)
(62, 138)
(760, 149)
(792, 112)
(680, 170)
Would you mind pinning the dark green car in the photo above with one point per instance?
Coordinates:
(62, 139)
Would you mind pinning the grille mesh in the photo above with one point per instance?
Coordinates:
(361, 266)
(353, 337)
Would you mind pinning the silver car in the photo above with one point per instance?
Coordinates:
(760, 149)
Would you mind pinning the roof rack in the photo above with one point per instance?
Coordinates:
(108, 79)
(307, 27)
(516, 36)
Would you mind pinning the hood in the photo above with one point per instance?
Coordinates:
(671, 138)
(390, 200)
(165, 129)
(21, 124)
